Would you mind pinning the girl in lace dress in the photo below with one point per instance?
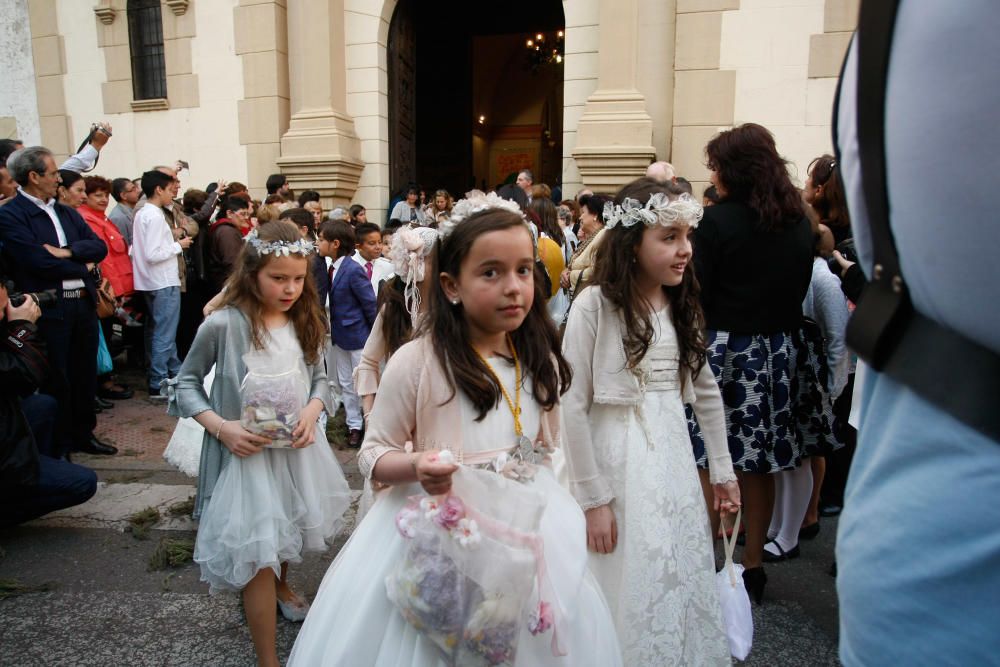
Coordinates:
(482, 381)
(260, 507)
(634, 341)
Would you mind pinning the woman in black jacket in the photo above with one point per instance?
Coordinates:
(753, 259)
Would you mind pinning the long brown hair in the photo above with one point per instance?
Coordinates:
(615, 275)
(832, 207)
(397, 328)
(242, 293)
(752, 172)
(536, 340)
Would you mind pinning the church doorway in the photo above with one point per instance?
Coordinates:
(475, 94)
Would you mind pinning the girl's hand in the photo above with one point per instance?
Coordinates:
(727, 497)
(564, 279)
(240, 441)
(305, 431)
(602, 529)
(432, 474)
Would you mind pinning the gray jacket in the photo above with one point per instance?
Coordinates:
(222, 340)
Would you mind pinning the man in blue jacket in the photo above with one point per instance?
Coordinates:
(48, 246)
(352, 313)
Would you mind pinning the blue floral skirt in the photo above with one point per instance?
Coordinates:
(757, 376)
(818, 431)
(774, 393)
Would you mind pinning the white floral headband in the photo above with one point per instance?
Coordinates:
(659, 210)
(475, 202)
(280, 248)
(407, 251)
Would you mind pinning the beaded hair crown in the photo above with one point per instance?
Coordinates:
(659, 210)
(280, 248)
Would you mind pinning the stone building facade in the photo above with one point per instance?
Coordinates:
(303, 86)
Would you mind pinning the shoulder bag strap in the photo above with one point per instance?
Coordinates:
(945, 368)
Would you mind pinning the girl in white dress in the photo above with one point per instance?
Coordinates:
(634, 341)
(482, 381)
(402, 305)
(261, 506)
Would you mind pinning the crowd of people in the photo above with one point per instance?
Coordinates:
(672, 361)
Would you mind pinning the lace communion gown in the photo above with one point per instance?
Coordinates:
(268, 508)
(352, 621)
(660, 580)
(184, 449)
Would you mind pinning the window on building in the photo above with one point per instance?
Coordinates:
(145, 37)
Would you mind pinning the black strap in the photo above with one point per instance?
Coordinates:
(945, 368)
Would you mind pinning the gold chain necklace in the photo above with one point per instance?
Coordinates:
(515, 405)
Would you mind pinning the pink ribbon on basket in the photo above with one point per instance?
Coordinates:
(537, 546)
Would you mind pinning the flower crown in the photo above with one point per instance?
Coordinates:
(280, 248)
(659, 210)
(407, 251)
(475, 202)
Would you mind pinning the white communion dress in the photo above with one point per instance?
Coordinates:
(184, 449)
(352, 621)
(268, 508)
(660, 579)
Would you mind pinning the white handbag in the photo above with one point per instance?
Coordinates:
(733, 597)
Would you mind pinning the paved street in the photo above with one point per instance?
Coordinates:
(97, 601)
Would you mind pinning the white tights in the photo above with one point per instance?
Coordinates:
(792, 492)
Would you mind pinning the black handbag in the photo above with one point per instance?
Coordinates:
(958, 375)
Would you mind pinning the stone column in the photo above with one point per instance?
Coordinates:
(615, 134)
(320, 151)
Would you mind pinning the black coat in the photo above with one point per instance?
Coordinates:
(23, 367)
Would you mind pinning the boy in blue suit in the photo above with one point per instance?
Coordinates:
(352, 313)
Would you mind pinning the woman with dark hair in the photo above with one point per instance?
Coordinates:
(753, 259)
(116, 267)
(358, 215)
(410, 210)
(824, 192)
(581, 264)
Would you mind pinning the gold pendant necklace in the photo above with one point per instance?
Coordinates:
(523, 442)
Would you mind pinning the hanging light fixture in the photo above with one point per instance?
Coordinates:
(552, 54)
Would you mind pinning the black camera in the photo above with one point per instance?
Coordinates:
(850, 253)
(44, 299)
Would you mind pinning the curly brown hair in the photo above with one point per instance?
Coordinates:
(242, 293)
(752, 172)
(615, 275)
(536, 340)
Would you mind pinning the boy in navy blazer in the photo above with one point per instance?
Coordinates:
(352, 314)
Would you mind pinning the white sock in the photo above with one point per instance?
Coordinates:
(796, 490)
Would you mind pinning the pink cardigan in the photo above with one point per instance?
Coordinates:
(414, 404)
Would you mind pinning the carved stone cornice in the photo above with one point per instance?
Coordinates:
(178, 7)
(105, 13)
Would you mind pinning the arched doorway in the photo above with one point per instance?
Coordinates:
(470, 100)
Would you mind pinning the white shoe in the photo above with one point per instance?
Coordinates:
(296, 613)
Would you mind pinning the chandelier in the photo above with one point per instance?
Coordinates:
(544, 49)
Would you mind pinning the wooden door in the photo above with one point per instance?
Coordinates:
(402, 59)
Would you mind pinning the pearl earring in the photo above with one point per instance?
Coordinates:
(454, 302)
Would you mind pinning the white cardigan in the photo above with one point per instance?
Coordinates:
(593, 345)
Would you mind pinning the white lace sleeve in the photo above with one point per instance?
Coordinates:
(712, 420)
(586, 482)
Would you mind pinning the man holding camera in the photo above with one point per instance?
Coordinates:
(32, 482)
(48, 246)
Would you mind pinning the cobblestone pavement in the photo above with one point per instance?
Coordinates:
(95, 597)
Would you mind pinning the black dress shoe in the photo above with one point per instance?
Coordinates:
(781, 555)
(809, 532)
(354, 438)
(95, 446)
(103, 404)
(116, 395)
(754, 580)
